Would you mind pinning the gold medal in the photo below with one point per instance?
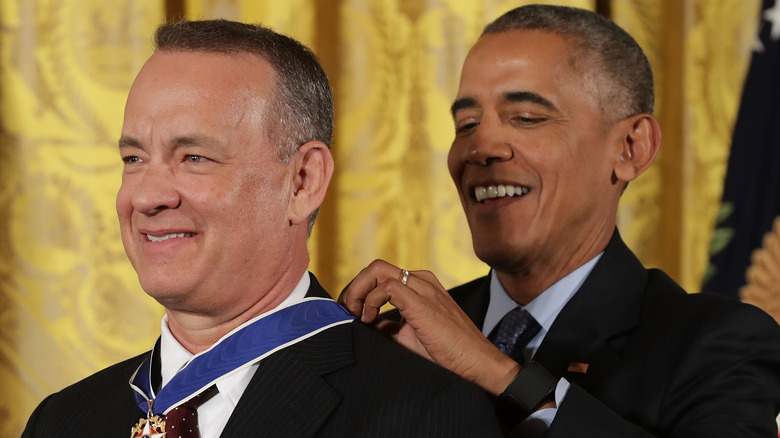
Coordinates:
(152, 427)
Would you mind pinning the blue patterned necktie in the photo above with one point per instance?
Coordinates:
(514, 331)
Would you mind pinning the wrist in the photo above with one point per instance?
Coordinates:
(532, 388)
(497, 374)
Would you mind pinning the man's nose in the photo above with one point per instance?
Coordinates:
(156, 191)
(490, 143)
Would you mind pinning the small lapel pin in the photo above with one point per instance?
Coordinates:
(578, 367)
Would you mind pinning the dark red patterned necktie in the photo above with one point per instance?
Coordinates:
(182, 421)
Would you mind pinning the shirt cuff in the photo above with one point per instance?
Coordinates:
(547, 415)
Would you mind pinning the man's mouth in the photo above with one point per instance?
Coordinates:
(168, 236)
(499, 191)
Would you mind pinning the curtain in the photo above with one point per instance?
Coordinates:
(70, 303)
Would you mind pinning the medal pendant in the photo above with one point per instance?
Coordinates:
(152, 427)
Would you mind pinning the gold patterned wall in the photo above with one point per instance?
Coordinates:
(69, 301)
(700, 51)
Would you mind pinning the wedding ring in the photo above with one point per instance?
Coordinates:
(404, 276)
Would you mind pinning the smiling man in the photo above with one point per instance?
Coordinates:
(569, 332)
(225, 145)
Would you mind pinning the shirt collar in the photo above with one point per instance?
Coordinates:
(544, 308)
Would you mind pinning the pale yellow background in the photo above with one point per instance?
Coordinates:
(69, 301)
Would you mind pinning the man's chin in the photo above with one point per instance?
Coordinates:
(165, 294)
(502, 257)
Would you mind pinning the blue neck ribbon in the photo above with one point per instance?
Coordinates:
(244, 346)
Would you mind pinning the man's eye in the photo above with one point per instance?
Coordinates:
(195, 159)
(466, 127)
(131, 159)
(528, 120)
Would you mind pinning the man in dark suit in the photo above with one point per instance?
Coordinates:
(226, 149)
(570, 333)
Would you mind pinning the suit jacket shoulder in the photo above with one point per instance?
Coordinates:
(324, 386)
(645, 358)
(689, 365)
(328, 386)
(100, 405)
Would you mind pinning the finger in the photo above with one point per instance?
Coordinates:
(390, 291)
(431, 283)
(353, 295)
(342, 295)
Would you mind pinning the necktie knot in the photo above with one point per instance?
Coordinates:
(514, 332)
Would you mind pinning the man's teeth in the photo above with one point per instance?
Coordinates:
(168, 236)
(498, 191)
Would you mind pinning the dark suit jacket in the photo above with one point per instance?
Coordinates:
(324, 386)
(661, 362)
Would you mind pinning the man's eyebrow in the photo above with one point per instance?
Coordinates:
(184, 140)
(190, 140)
(461, 104)
(509, 96)
(127, 142)
(529, 96)
(206, 142)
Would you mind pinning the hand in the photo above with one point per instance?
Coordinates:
(432, 324)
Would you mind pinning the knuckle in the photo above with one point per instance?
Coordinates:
(377, 263)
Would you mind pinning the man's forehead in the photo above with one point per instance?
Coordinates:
(517, 66)
(184, 97)
(206, 70)
(519, 47)
(197, 78)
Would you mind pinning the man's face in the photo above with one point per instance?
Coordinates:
(529, 125)
(203, 203)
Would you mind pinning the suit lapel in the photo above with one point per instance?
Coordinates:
(591, 330)
(288, 395)
(474, 297)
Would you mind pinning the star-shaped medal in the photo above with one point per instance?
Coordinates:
(153, 427)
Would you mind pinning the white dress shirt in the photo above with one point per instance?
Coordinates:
(544, 308)
(215, 412)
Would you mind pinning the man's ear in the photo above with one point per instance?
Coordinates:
(640, 142)
(313, 170)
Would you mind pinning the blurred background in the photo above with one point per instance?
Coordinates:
(70, 303)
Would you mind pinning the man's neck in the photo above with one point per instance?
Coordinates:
(525, 287)
(198, 332)
(528, 282)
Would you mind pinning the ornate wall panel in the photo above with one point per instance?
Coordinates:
(69, 300)
(719, 47)
(640, 215)
(668, 214)
(400, 65)
(293, 17)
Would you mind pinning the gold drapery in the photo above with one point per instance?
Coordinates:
(69, 301)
